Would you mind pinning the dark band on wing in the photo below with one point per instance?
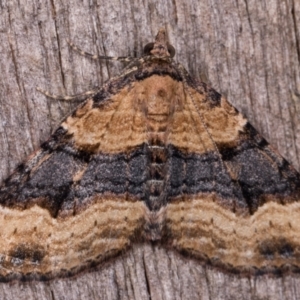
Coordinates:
(63, 176)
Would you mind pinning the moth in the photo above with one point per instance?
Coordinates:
(153, 156)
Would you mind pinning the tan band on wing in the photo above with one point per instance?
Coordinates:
(205, 229)
(32, 241)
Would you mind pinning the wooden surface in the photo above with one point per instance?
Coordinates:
(248, 50)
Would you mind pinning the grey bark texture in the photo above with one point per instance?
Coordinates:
(249, 50)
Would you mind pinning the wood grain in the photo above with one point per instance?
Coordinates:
(247, 50)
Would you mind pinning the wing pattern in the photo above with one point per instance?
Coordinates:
(152, 156)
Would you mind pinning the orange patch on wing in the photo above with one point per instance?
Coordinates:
(158, 103)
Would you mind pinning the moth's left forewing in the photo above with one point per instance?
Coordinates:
(76, 202)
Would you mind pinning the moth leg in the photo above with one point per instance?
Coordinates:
(131, 67)
(82, 96)
(97, 57)
(77, 97)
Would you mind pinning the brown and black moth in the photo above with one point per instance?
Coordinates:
(154, 156)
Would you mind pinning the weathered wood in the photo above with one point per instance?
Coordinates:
(248, 50)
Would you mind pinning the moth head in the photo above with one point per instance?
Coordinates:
(161, 46)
